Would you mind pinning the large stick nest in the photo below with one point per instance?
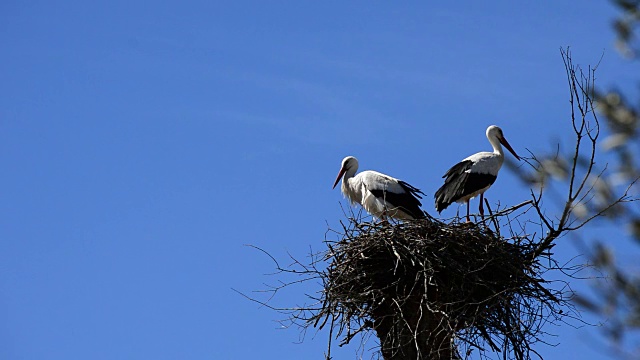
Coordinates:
(435, 290)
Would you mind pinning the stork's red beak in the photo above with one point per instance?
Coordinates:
(339, 177)
(504, 142)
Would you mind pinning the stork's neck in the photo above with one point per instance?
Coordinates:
(349, 173)
(350, 188)
(497, 148)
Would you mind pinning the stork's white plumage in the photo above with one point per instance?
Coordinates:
(379, 194)
(474, 175)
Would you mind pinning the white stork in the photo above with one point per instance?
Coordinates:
(474, 175)
(379, 194)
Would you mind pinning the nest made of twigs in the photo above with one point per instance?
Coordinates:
(432, 283)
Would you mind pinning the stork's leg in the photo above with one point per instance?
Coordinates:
(468, 219)
(383, 218)
(481, 207)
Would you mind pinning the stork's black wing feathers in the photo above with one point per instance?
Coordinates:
(459, 182)
(455, 179)
(411, 189)
(457, 169)
(407, 201)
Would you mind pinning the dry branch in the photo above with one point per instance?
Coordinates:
(428, 288)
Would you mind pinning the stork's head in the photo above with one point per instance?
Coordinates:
(348, 163)
(494, 132)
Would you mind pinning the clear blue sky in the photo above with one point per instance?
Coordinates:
(143, 144)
